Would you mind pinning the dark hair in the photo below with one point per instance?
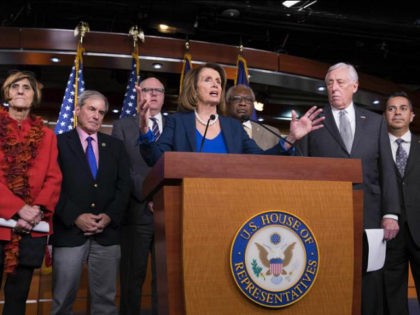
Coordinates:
(17, 75)
(188, 98)
(400, 94)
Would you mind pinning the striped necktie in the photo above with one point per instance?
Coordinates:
(155, 127)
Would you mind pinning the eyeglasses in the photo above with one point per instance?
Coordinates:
(153, 90)
(242, 99)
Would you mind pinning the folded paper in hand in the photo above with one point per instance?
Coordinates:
(377, 249)
(42, 226)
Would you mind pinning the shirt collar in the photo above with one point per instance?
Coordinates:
(406, 137)
(83, 135)
(158, 117)
(349, 109)
(247, 124)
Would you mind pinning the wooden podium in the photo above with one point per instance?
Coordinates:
(200, 202)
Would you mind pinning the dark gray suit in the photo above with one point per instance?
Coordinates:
(138, 230)
(371, 145)
(405, 248)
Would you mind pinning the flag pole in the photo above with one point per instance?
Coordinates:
(81, 30)
(137, 34)
(186, 64)
(129, 107)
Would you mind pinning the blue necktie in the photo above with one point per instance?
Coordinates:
(90, 156)
(155, 128)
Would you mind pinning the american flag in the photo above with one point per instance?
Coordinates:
(242, 77)
(186, 66)
(65, 120)
(130, 96)
(241, 71)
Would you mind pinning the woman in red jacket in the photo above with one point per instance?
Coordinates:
(30, 181)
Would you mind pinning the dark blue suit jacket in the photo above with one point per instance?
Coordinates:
(179, 135)
(80, 193)
(371, 145)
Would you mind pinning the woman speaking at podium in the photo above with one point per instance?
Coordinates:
(199, 124)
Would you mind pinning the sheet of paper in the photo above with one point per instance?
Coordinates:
(42, 226)
(377, 249)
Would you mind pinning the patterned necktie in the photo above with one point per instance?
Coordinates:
(155, 127)
(401, 157)
(345, 130)
(90, 156)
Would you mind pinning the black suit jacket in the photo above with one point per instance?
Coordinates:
(409, 190)
(371, 145)
(80, 193)
(127, 130)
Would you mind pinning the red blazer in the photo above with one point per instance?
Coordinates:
(44, 180)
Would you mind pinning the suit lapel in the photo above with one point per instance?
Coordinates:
(104, 155)
(360, 127)
(227, 133)
(331, 126)
(76, 147)
(188, 121)
(256, 133)
(413, 154)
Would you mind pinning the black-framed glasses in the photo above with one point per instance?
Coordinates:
(242, 99)
(153, 90)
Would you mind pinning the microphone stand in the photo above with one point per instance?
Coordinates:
(246, 118)
(212, 117)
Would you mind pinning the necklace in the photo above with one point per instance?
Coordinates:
(204, 123)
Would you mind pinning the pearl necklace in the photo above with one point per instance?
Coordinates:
(204, 123)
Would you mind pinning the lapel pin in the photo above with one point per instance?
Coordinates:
(363, 117)
(103, 144)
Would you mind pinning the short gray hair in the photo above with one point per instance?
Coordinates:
(353, 76)
(81, 100)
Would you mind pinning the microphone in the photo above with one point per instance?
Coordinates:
(246, 118)
(212, 117)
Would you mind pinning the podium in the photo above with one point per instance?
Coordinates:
(200, 202)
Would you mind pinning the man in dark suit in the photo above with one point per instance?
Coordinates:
(360, 134)
(405, 248)
(95, 192)
(240, 103)
(137, 229)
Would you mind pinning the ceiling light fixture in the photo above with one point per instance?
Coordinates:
(307, 5)
(289, 3)
(232, 13)
(166, 29)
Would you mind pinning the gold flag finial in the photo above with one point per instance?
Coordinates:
(81, 30)
(137, 34)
